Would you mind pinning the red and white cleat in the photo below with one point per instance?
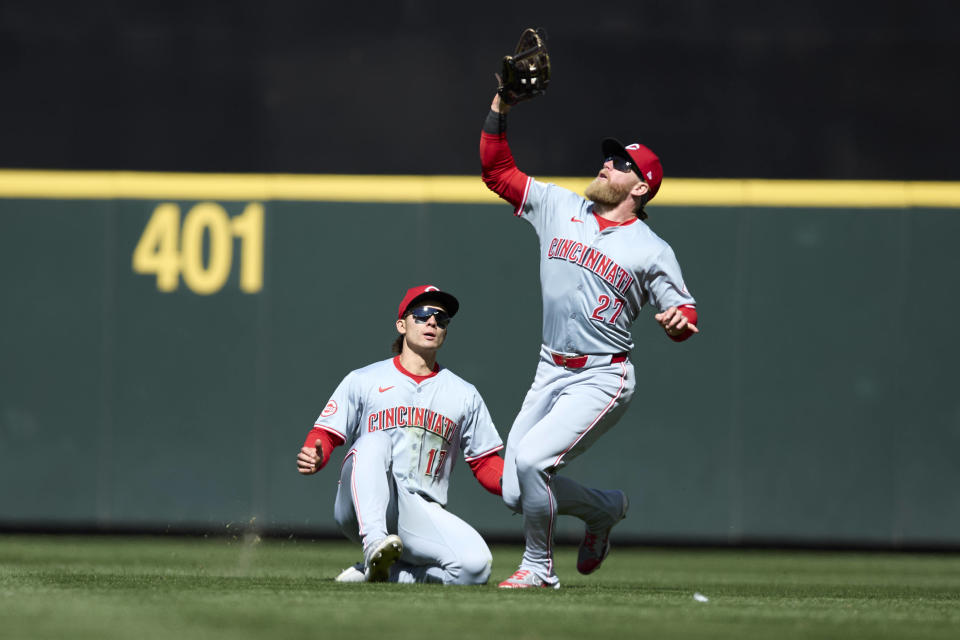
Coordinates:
(526, 579)
(596, 544)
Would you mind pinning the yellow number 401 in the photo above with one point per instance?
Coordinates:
(169, 251)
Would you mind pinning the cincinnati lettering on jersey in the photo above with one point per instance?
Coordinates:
(412, 417)
(591, 260)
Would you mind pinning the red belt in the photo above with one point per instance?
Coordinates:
(578, 362)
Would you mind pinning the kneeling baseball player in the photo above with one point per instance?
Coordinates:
(406, 419)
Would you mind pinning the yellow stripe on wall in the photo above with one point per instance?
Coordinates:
(15, 183)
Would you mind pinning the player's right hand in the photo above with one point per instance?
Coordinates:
(674, 322)
(309, 460)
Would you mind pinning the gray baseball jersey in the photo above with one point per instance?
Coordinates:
(595, 282)
(429, 421)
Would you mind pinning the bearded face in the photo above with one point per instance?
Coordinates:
(605, 193)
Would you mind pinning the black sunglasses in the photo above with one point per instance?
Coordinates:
(422, 314)
(620, 164)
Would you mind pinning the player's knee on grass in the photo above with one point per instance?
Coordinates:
(472, 568)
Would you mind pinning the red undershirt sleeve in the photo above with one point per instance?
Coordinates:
(488, 471)
(690, 313)
(499, 170)
(328, 440)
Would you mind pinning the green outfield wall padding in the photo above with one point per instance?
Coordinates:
(817, 404)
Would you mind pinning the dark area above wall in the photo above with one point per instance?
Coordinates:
(833, 90)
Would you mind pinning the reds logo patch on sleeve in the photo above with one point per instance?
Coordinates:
(329, 410)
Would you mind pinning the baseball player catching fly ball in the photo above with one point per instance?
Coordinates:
(406, 419)
(599, 265)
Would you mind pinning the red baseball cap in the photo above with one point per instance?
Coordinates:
(645, 162)
(428, 292)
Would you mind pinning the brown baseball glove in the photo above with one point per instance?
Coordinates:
(525, 74)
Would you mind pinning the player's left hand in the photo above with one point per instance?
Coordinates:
(674, 322)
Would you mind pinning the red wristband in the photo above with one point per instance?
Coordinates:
(690, 313)
(328, 441)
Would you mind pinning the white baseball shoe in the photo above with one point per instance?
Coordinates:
(352, 574)
(381, 556)
(596, 543)
(526, 579)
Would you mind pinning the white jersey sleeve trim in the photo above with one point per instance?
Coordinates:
(523, 200)
(484, 454)
(319, 425)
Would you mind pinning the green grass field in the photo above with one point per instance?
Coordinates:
(181, 588)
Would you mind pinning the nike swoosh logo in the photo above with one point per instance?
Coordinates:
(575, 220)
(382, 389)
